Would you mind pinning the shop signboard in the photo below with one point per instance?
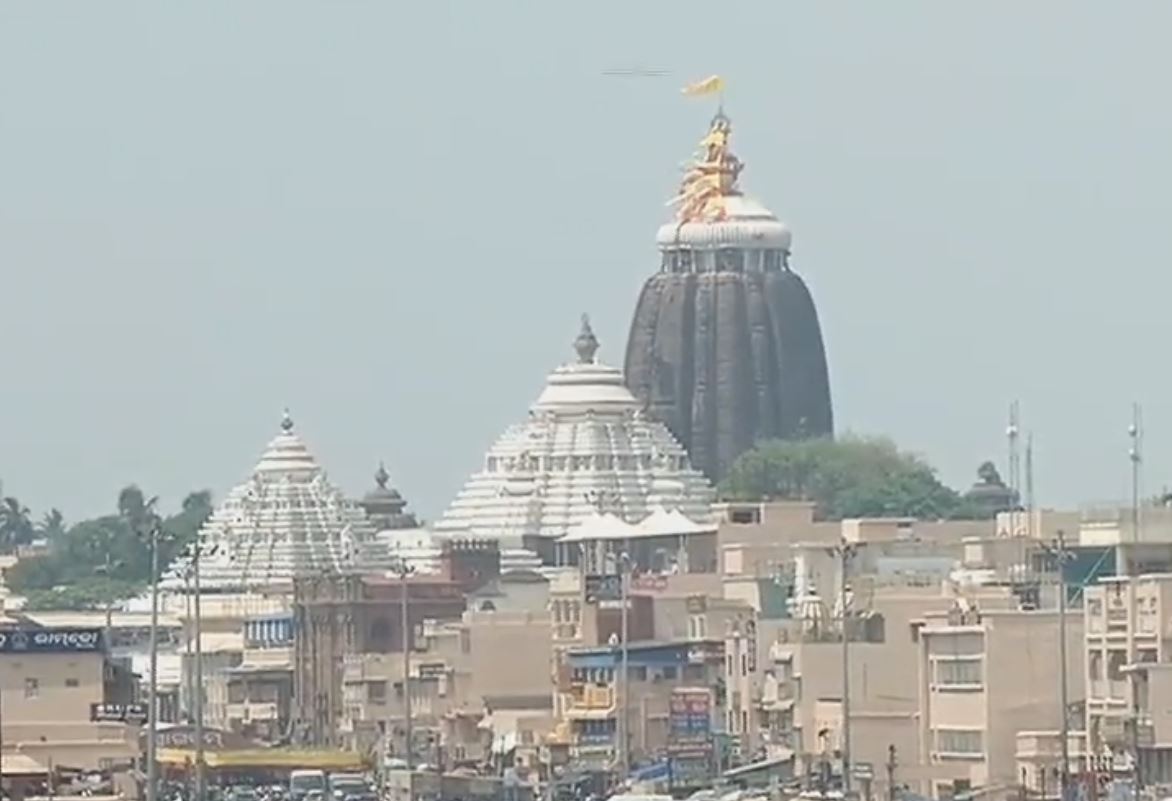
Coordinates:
(690, 716)
(118, 713)
(693, 770)
(50, 641)
(603, 588)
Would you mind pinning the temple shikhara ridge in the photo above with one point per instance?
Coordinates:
(286, 520)
(586, 447)
(725, 346)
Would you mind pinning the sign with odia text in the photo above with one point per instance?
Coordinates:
(49, 641)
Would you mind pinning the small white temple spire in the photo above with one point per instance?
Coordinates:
(586, 345)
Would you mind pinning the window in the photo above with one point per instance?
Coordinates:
(745, 516)
(1096, 665)
(639, 673)
(376, 692)
(669, 673)
(691, 673)
(959, 741)
(72, 683)
(1116, 660)
(958, 672)
(32, 688)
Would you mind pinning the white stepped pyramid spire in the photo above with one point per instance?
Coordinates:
(286, 520)
(585, 447)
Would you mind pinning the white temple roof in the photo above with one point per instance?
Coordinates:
(660, 523)
(601, 526)
(286, 520)
(586, 447)
(670, 522)
(749, 225)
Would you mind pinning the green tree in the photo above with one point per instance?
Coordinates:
(105, 559)
(849, 477)
(16, 524)
(52, 526)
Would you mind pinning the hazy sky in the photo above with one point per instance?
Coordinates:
(389, 215)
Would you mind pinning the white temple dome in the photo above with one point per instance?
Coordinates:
(285, 520)
(749, 225)
(585, 447)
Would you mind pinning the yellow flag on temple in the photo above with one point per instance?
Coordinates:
(708, 86)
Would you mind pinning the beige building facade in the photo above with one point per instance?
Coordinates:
(984, 677)
(52, 684)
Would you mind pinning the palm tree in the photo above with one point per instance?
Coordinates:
(52, 525)
(16, 525)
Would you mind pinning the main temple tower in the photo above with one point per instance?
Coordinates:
(725, 346)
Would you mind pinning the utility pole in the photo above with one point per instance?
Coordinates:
(1135, 454)
(891, 764)
(1012, 434)
(1136, 774)
(198, 550)
(624, 667)
(153, 691)
(845, 551)
(1029, 486)
(1064, 690)
(404, 570)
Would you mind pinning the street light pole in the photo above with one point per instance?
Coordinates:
(153, 692)
(624, 668)
(1135, 454)
(845, 552)
(197, 554)
(1064, 774)
(405, 623)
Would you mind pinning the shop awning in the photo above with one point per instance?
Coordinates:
(266, 758)
(14, 764)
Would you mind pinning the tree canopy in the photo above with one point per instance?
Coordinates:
(94, 562)
(848, 477)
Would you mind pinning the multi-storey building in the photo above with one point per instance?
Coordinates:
(260, 688)
(1125, 626)
(1128, 652)
(594, 698)
(65, 701)
(349, 649)
(985, 676)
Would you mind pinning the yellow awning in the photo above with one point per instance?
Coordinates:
(266, 758)
(15, 764)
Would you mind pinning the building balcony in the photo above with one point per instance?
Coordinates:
(358, 668)
(590, 702)
(593, 752)
(567, 632)
(778, 696)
